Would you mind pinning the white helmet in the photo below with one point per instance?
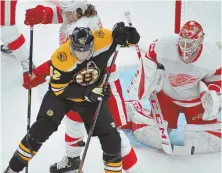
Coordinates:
(73, 5)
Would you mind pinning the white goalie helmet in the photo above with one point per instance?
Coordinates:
(73, 5)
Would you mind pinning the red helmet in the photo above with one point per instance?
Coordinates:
(190, 39)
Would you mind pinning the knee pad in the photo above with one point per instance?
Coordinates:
(42, 129)
(111, 144)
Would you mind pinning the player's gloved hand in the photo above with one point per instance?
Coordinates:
(125, 35)
(31, 81)
(98, 94)
(38, 15)
(211, 101)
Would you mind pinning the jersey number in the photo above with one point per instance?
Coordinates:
(55, 75)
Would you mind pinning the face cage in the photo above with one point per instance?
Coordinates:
(188, 52)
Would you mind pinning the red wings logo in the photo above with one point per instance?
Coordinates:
(177, 80)
(62, 38)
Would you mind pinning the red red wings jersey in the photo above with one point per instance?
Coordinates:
(8, 12)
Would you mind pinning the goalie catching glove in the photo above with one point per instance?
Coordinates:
(211, 101)
(149, 78)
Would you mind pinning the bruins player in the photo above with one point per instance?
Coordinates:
(77, 74)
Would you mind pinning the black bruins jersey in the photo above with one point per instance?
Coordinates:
(69, 78)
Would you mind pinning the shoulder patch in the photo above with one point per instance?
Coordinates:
(62, 56)
(99, 33)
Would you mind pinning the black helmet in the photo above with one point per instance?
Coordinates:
(82, 43)
(81, 39)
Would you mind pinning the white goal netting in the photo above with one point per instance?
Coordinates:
(207, 13)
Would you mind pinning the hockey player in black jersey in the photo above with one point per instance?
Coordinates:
(77, 74)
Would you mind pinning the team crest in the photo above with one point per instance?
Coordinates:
(99, 33)
(87, 77)
(50, 113)
(62, 56)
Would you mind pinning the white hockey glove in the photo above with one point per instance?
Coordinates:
(211, 101)
(148, 79)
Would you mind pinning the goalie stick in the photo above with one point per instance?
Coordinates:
(158, 116)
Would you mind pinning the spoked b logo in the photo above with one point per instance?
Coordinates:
(87, 76)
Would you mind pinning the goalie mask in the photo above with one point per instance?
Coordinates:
(190, 39)
(81, 44)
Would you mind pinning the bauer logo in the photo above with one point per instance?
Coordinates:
(87, 77)
(177, 80)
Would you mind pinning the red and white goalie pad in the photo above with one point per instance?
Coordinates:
(143, 125)
(147, 79)
(203, 138)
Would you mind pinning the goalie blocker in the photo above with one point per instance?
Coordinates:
(144, 84)
(197, 138)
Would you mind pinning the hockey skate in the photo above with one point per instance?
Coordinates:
(66, 165)
(6, 51)
(9, 170)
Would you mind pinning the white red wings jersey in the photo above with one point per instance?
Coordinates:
(8, 12)
(181, 81)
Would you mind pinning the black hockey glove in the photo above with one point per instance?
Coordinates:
(125, 35)
(98, 94)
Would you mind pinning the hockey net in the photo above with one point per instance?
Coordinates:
(207, 13)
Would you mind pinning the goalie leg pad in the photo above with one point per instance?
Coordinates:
(143, 125)
(204, 138)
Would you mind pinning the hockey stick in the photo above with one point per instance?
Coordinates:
(29, 92)
(164, 137)
(97, 111)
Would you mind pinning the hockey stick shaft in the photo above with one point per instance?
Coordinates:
(97, 111)
(127, 14)
(158, 116)
(30, 90)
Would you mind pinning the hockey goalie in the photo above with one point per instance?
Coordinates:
(185, 72)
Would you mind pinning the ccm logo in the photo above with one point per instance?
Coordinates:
(156, 113)
(137, 106)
